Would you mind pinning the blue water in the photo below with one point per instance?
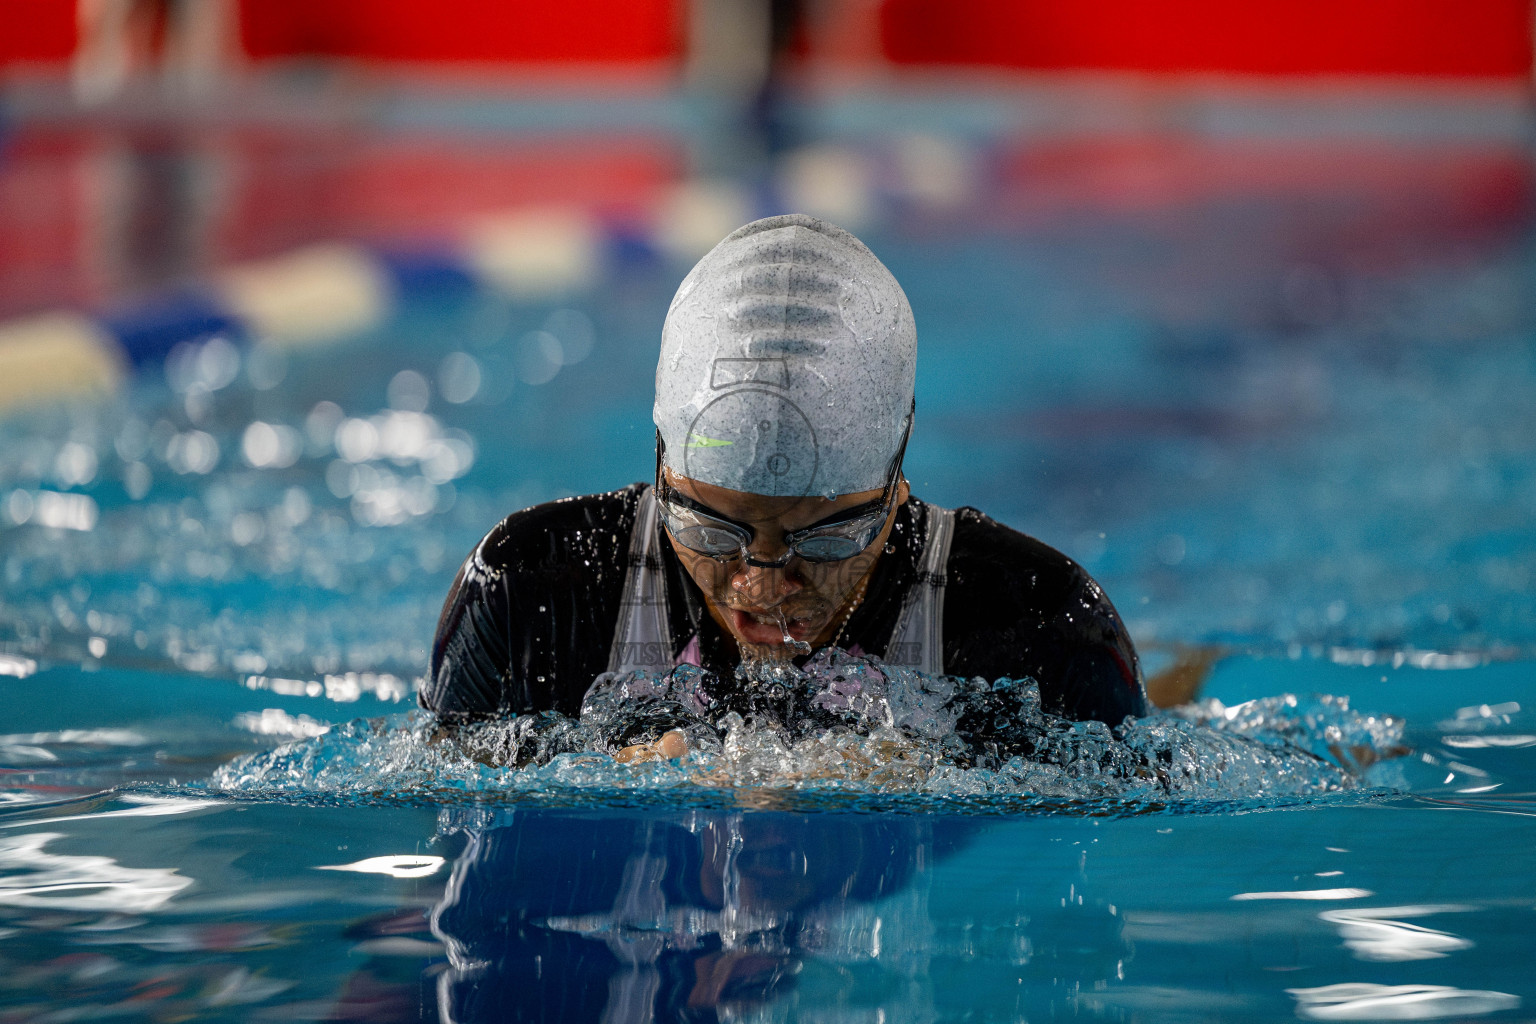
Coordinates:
(1257, 438)
(160, 898)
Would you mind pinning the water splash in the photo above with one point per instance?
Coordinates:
(798, 646)
(842, 726)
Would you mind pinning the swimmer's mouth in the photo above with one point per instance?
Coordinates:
(768, 628)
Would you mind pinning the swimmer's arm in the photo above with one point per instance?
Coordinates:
(470, 656)
(1181, 681)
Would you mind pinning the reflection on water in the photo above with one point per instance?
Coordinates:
(405, 866)
(1372, 934)
(553, 916)
(33, 877)
(1366, 1001)
(706, 915)
(142, 806)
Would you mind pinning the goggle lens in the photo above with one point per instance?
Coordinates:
(722, 540)
(829, 548)
(707, 540)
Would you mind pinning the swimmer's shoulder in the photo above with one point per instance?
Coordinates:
(549, 571)
(1012, 564)
(1014, 604)
(558, 545)
(546, 535)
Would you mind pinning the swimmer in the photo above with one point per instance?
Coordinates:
(778, 521)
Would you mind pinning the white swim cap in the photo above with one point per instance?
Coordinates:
(787, 363)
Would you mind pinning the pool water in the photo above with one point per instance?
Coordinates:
(131, 887)
(1294, 427)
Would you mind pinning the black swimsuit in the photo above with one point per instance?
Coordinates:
(531, 615)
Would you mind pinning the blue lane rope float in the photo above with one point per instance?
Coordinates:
(311, 296)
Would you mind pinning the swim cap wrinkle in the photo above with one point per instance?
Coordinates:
(787, 363)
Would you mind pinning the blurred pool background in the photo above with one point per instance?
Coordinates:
(1232, 304)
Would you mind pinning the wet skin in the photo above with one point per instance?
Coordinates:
(814, 598)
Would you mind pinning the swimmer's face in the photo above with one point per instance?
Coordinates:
(814, 598)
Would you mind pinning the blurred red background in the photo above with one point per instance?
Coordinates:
(1410, 37)
(1485, 38)
(108, 205)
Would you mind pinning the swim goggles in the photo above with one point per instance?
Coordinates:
(700, 528)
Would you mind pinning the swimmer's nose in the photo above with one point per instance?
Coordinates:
(766, 552)
(765, 588)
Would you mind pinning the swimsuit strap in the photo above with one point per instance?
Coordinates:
(918, 639)
(642, 639)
